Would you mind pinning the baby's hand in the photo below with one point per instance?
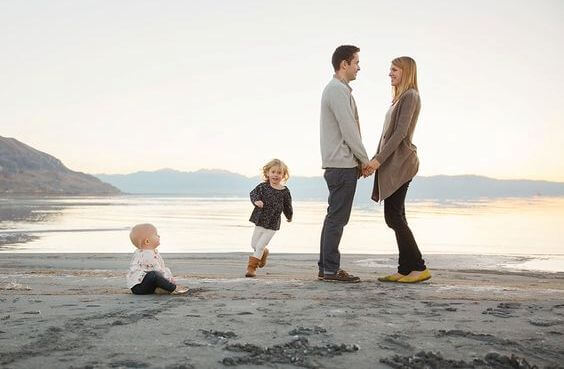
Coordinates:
(289, 220)
(259, 203)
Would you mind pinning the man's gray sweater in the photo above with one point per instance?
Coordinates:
(341, 144)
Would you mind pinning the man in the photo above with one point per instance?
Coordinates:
(343, 158)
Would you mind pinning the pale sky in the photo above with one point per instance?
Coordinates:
(123, 86)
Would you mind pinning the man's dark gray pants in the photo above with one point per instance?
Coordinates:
(341, 183)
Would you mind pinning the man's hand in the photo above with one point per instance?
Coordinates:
(259, 203)
(370, 168)
(366, 171)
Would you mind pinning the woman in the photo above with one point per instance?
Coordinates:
(396, 164)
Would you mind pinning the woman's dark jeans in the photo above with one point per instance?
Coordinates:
(394, 212)
(150, 282)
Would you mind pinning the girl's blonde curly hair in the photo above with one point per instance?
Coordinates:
(276, 163)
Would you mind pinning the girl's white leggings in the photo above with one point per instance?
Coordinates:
(261, 238)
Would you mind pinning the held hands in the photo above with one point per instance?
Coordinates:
(259, 203)
(370, 168)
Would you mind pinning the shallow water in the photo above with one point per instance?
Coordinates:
(532, 226)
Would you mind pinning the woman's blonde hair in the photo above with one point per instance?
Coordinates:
(275, 163)
(408, 76)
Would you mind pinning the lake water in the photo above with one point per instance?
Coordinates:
(528, 227)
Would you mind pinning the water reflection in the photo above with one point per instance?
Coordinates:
(12, 211)
(20, 215)
(100, 224)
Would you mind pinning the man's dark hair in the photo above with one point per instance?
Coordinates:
(343, 52)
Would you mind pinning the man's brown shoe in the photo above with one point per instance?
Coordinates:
(341, 276)
(320, 275)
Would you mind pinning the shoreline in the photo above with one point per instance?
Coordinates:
(506, 262)
(73, 310)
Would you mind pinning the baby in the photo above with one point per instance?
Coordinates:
(147, 270)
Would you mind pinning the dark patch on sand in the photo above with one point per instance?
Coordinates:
(423, 360)
(301, 331)
(180, 366)
(218, 336)
(280, 322)
(535, 349)
(545, 323)
(395, 342)
(191, 343)
(194, 292)
(488, 338)
(222, 315)
(128, 364)
(297, 353)
(503, 310)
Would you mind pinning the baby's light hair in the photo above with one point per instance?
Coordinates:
(139, 233)
(276, 163)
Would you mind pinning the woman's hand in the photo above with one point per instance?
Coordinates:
(370, 168)
(259, 204)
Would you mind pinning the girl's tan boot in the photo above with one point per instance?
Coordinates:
(252, 266)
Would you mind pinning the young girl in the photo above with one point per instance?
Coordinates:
(270, 199)
(147, 270)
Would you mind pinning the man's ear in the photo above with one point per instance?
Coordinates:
(146, 241)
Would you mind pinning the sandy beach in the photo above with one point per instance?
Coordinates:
(73, 311)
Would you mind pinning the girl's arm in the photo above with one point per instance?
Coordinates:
(407, 109)
(288, 210)
(256, 194)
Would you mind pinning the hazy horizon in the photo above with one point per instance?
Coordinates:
(320, 175)
(121, 87)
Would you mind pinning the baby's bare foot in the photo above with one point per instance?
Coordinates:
(180, 290)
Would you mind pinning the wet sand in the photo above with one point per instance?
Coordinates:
(73, 311)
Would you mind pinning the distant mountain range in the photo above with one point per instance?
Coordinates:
(223, 183)
(25, 170)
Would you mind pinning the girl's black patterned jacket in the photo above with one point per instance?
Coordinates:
(275, 202)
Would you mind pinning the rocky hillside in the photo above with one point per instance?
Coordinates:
(25, 170)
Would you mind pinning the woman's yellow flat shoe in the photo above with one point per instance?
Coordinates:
(426, 274)
(391, 278)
